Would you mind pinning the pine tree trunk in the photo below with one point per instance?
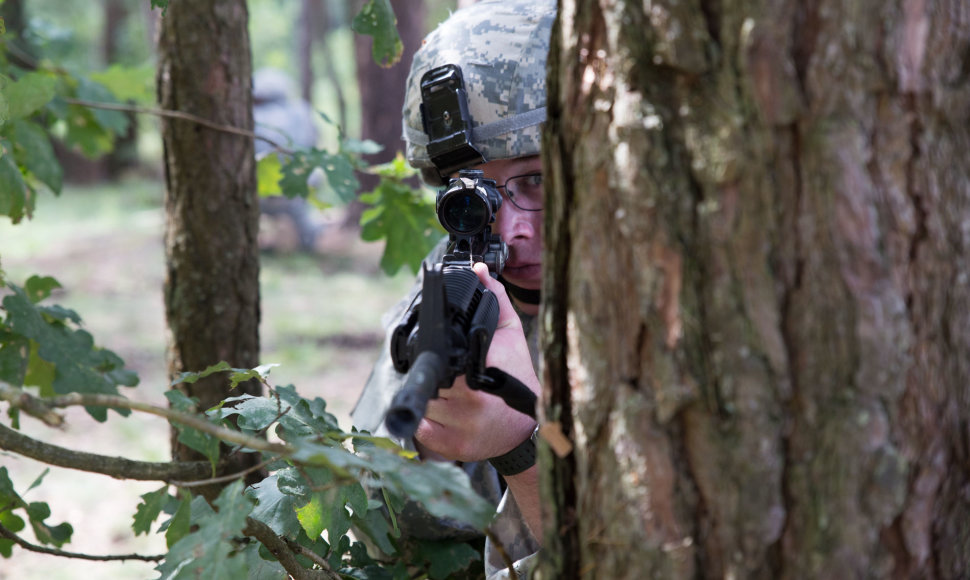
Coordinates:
(212, 283)
(757, 309)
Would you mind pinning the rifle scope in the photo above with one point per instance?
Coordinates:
(469, 204)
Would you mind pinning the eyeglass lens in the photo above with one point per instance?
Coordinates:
(525, 191)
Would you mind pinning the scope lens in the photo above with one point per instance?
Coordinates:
(464, 212)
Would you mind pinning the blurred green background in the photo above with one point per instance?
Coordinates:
(102, 239)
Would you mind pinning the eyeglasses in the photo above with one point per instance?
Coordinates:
(524, 191)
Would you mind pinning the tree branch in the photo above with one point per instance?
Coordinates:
(283, 551)
(224, 478)
(5, 533)
(177, 115)
(31, 405)
(498, 546)
(117, 467)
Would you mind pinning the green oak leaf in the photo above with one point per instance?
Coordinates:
(39, 288)
(376, 527)
(57, 535)
(405, 218)
(128, 83)
(180, 523)
(28, 94)
(80, 367)
(340, 176)
(14, 355)
(332, 505)
(15, 199)
(114, 121)
(40, 373)
(268, 175)
(149, 509)
(209, 551)
(204, 443)
(14, 523)
(376, 18)
(276, 508)
(306, 417)
(442, 488)
(311, 517)
(33, 151)
(254, 413)
(447, 559)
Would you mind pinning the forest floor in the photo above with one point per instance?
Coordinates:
(320, 321)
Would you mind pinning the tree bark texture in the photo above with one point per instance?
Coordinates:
(212, 282)
(757, 315)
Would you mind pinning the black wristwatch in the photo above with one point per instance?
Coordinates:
(522, 457)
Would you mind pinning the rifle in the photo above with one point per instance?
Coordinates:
(449, 326)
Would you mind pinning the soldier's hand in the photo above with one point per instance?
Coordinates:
(463, 424)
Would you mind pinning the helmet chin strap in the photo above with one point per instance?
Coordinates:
(523, 295)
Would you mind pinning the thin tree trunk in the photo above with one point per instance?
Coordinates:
(125, 153)
(326, 24)
(308, 29)
(212, 283)
(382, 93)
(756, 273)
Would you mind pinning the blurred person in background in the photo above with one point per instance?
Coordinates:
(284, 119)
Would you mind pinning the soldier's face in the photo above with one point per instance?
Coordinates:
(521, 230)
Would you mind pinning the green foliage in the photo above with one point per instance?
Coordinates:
(325, 486)
(26, 156)
(236, 376)
(128, 83)
(27, 94)
(338, 168)
(44, 346)
(291, 173)
(36, 105)
(403, 216)
(269, 173)
(148, 511)
(37, 512)
(194, 439)
(210, 550)
(180, 523)
(32, 150)
(376, 18)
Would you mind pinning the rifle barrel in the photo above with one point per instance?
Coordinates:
(427, 375)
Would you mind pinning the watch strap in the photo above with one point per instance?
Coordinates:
(522, 457)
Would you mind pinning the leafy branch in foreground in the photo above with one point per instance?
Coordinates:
(324, 485)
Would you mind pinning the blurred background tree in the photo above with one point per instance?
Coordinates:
(104, 229)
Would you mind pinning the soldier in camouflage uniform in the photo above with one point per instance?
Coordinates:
(501, 47)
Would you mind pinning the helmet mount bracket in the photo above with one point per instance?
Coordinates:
(446, 120)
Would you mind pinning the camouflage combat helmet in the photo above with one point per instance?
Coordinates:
(501, 48)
